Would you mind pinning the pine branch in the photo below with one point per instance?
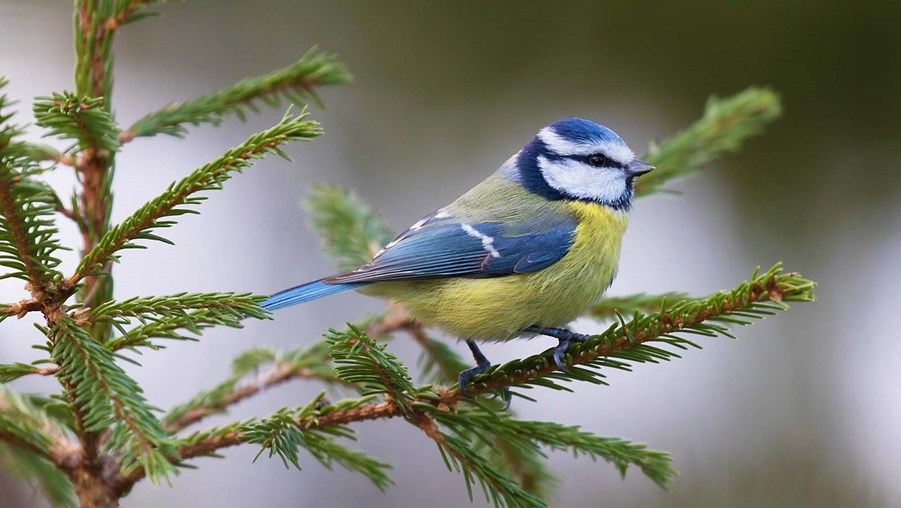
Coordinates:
(723, 128)
(95, 23)
(28, 240)
(625, 343)
(11, 372)
(45, 477)
(307, 363)
(29, 428)
(363, 362)
(27, 231)
(83, 119)
(295, 83)
(19, 309)
(762, 295)
(350, 230)
(172, 327)
(622, 343)
(609, 307)
(475, 423)
(232, 306)
(107, 398)
(441, 364)
(459, 456)
(45, 153)
(129, 11)
(181, 195)
(281, 435)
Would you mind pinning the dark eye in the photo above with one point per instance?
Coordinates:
(599, 160)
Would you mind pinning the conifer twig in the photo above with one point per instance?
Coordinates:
(27, 230)
(9, 372)
(104, 397)
(294, 82)
(26, 426)
(208, 177)
(17, 230)
(763, 294)
(609, 307)
(726, 123)
(303, 364)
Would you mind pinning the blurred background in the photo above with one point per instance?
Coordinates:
(804, 409)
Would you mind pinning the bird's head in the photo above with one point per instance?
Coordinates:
(577, 159)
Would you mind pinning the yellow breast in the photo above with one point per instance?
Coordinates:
(499, 308)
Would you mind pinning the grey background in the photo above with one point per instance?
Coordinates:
(802, 410)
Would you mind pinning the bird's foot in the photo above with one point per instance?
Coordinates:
(564, 339)
(482, 364)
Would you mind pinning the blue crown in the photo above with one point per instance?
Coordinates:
(580, 130)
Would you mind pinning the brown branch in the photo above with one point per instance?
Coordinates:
(43, 371)
(14, 225)
(448, 398)
(277, 375)
(21, 308)
(92, 164)
(128, 135)
(60, 451)
(528, 479)
(64, 159)
(160, 209)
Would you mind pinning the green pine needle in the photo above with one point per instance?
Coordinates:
(476, 423)
(180, 196)
(28, 425)
(43, 475)
(82, 119)
(281, 435)
(723, 128)
(11, 372)
(498, 488)
(351, 231)
(174, 327)
(109, 399)
(28, 233)
(626, 343)
(312, 362)
(295, 83)
(228, 307)
(608, 306)
(363, 362)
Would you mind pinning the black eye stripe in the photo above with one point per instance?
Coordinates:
(600, 160)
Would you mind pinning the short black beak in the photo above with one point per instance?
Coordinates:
(638, 168)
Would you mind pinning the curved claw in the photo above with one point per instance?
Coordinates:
(466, 376)
(559, 352)
(564, 337)
(508, 398)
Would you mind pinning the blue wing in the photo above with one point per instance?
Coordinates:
(439, 247)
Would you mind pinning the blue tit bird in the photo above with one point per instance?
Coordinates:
(523, 253)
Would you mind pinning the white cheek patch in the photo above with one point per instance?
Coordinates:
(579, 180)
(562, 146)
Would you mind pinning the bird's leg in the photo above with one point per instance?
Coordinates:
(482, 364)
(564, 337)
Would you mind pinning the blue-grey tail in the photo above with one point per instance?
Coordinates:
(305, 293)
